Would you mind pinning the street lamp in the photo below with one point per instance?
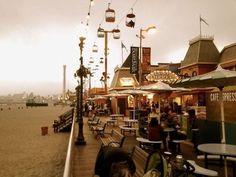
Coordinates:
(103, 33)
(149, 30)
(80, 73)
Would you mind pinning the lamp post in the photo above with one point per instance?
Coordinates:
(103, 33)
(81, 73)
(149, 30)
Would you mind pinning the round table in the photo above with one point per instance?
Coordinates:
(168, 130)
(219, 149)
(115, 116)
(130, 122)
(143, 141)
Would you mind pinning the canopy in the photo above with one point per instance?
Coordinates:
(160, 87)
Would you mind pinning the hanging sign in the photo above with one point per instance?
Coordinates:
(134, 66)
(146, 63)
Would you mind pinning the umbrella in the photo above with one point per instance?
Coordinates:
(134, 92)
(160, 87)
(116, 94)
(99, 97)
(218, 78)
(90, 99)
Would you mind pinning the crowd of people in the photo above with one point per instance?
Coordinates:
(158, 122)
(91, 108)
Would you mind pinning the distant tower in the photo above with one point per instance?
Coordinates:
(64, 83)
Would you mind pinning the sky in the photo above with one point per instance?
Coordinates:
(38, 37)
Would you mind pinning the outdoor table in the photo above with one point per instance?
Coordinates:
(218, 149)
(130, 122)
(168, 130)
(115, 116)
(143, 141)
(100, 112)
(112, 122)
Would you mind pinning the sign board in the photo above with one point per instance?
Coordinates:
(134, 65)
(126, 81)
(146, 63)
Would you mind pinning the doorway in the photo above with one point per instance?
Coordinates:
(121, 105)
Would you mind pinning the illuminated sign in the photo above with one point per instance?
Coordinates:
(126, 81)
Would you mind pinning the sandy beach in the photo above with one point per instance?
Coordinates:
(24, 152)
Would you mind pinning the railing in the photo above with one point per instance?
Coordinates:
(67, 168)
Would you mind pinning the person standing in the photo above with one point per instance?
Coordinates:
(90, 110)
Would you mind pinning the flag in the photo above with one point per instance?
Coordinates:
(123, 46)
(202, 20)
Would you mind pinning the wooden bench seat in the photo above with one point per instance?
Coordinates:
(115, 139)
(145, 161)
(140, 158)
(124, 128)
(99, 129)
(218, 159)
(201, 171)
(93, 122)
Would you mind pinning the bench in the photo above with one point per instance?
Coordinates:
(124, 128)
(99, 129)
(115, 139)
(140, 158)
(201, 171)
(93, 122)
(218, 158)
(145, 161)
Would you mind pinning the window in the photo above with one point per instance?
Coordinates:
(194, 73)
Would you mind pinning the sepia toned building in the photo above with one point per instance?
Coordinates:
(203, 56)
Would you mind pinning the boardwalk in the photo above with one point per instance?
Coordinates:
(84, 156)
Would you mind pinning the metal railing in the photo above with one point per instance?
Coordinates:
(67, 168)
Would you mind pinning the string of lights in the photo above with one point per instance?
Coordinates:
(162, 75)
(91, 3)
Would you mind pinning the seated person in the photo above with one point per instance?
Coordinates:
(172, 119)
(154, 130)
(113, 161)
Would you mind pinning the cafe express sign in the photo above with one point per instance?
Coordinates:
(227, 97)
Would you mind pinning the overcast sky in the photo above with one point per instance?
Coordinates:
(38, 37)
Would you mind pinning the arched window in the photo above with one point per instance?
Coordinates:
(186, 75)
(194, 73)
